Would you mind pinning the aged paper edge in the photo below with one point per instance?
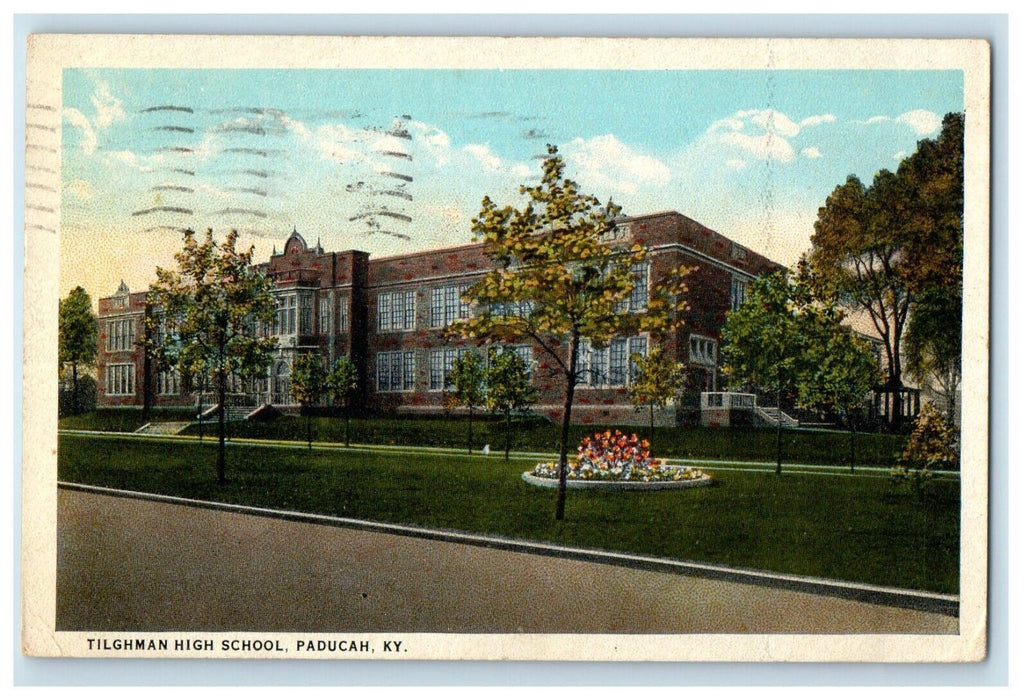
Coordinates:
(48, 55)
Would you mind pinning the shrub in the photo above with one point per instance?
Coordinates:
(931, 447)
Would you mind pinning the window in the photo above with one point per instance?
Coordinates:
(737, 293)
(737, 251)
(396, 311)
(121, 334)
(168, 382)
(519, 309)
(610, 366)
(441, 363)
(394, 371)
(287, 316)
(446, 305)
(620, 232)
(344, 314)
(703, 351)
(306, 314)
(640, 294)
(120, 380)
(324, 316)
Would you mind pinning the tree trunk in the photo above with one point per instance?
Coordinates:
(221, 430)
(651, 427)
(346, 429)
(75, 388)
(507, 435)
(778, 432)
(853, 430)
(200, 415)
(566, 421)
(309, 444)
(469, 429)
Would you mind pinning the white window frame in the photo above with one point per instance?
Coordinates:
(395, 370)
(593, 368)
(703, 350)
(737, 292)
(396, 311)
(120, 379)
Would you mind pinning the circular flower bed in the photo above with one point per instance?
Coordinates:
(615, 460)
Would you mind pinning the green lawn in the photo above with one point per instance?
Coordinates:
(850, 528)
(753, 444)
(122, 420)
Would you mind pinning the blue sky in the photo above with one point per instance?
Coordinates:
(399, 160)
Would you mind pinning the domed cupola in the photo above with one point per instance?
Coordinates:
(295, 244)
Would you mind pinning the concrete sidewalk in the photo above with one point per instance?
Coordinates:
(138, 565)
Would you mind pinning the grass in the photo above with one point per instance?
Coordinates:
(122, 420)
(855, 529)
(749, 444)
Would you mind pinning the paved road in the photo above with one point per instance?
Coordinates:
(136, 565)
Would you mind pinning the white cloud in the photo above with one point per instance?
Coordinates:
(768, 146)
(816, 119)
(899, 155)
(736, 163)
(487, 159)
(79, 120)
(922, 121)
(108, 107)
(760, 133)
(605, 162)
(812, 152)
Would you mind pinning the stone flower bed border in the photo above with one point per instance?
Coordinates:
(617, 485)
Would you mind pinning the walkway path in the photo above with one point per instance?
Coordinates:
(139, 565)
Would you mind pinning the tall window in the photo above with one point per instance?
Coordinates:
(344, 314)
(324, 316)
(703, 351)
(446, 305)
(640, 294)
(121, 334)
(394, 371)
(168, 382)
(306, 314)
(120, 380)
(287, 316)
(611, 366)
(737, 293)
(396, 311)
(441, 363)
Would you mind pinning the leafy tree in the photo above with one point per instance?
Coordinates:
(76, 337)
(207, 312)
(933, 344)
(838, 369)
(763, 343)
(877, 248)
(307, 382)
(469, 380)
(932, 447)
(660, 379)
(508, 389)
(559, 281)
(341, 381)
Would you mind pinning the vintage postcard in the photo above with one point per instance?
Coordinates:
(510, 349)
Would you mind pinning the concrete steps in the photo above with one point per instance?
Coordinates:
(170, 428)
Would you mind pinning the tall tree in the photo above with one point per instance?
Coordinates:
(341, 381)
(659, 381)
(763, 342)
(206, 316)
(508, 389)
(468, 377)
(838, 369)
(307, 383)
(877, 248)
(560, 281)
(76, 336)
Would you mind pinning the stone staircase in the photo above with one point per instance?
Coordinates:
(168, 428)
(770, 415)
(232, 413)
